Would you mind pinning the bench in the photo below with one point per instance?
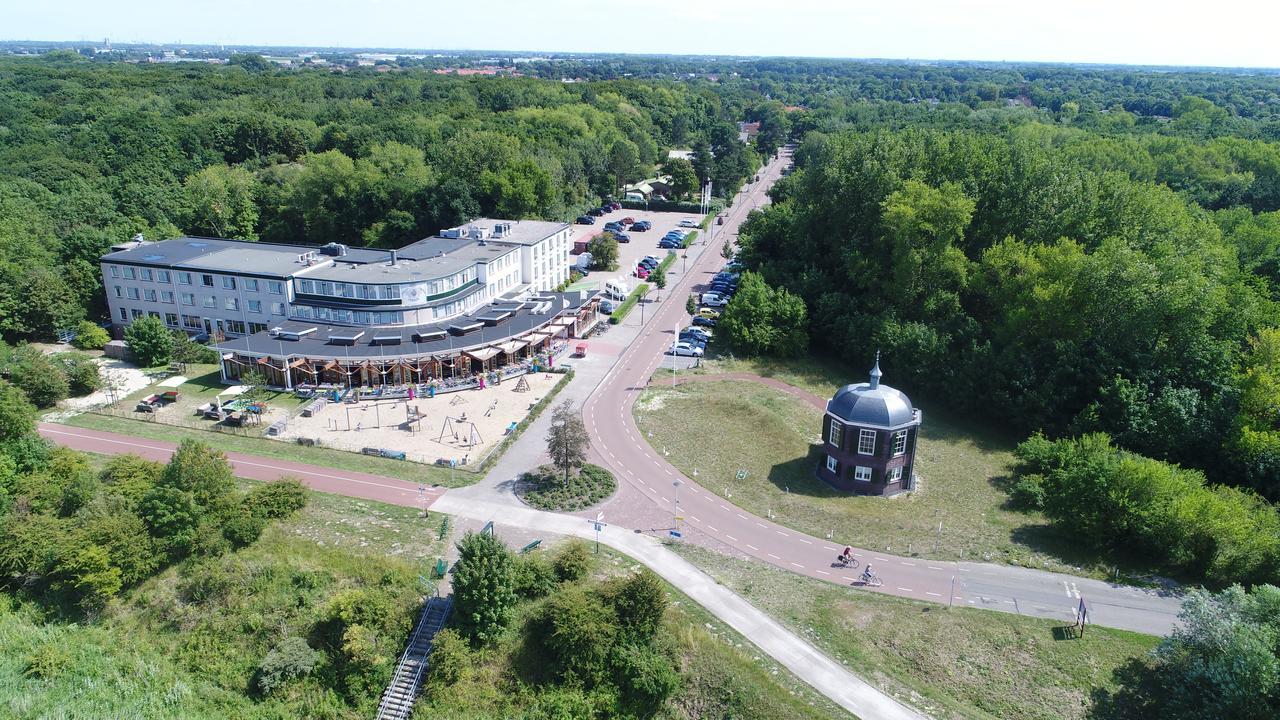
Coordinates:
(530, 546)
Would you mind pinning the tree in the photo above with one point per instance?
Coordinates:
(567, 439)
(1222, 661)
(604, 251)
(645, 676)
(82, 373)
(90, 337)
(450, 659)
(221, 202)
(44, 382)
(640, 602)
(17, 414)
(149, 341)
(86, 572)
(293, 658)
(658, 277)
(624, 160)
(726, 250)
(256, 383)
(764, 320)
(277, 499)
(203, 472)
(684, 180)
(251, 62)
(483, 587)
(581, 633)
(691, 305)
(186, 350)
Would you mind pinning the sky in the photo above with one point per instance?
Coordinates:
(1235, 33)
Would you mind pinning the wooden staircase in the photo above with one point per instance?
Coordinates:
(397, 700)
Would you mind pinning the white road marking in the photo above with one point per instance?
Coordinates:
(753, 547)
(762, 525)
(823, 572)
(744, 517)
(775, 557)
(934, 567)
(904, 562)
(880, 559)
(906, 589)
(806, 542)
(695, 518)
(963, 569)
(732, 538)
(782, 533)
(712, 528)
(926, 592)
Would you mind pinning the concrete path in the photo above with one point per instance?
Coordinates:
(805, 661)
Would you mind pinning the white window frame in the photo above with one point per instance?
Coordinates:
(189, 299)
(119, 291)
(899, 443)
(162, 276)
(255, 306)
(228, 282)
(251, 284)
(210, 301)
(129, 273)
(866, 436)
(134, 293)
(124, 314)
(893, 474)
(145, 274)
(184, 278)
(862, 473)
(833, 465)
(275, 287)
(835, 433)
(231, 303)
(115, 270)
(277, 308)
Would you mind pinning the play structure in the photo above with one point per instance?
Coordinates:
(464, 432)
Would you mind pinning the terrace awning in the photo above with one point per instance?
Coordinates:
(536, 337)
(482, 354)
(564, 321)
(512, 346)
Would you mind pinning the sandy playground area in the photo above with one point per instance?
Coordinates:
(463, 426)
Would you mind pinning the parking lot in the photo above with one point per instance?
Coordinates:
(642, 243)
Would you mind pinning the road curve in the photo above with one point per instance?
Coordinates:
(607, 415)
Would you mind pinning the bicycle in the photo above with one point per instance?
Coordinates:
(871, 580)
(845, 562)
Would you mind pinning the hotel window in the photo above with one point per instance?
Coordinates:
(188, 299)
(836, 434)
(115, 271)
(255, 306)
(235, 326)
(206, 280)
(162, 276)
(171, 319)
(899, 443)
(191, 322)
(184, 278)
(128, 273)
(210, 301)
(251, 285)
(154, 314)
(277, 308)
(134, 294)
(145, 274)
(136, 313)
(866, 442)
(119, 291)
(124, 314)
(306, 286)
(275, 287)
(893, 475)
(231, 303)
(166, 296)
(862, 473)
(255, 328)
(150, 295)
(833, 465)
(228, 283)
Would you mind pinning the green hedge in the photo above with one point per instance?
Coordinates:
(621, 313)
(672, 206)
(688, 240)
(668, 261)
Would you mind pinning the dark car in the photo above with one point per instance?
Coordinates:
(642, 225)
(701, 321)
(595, 212)
(669, 245)
(585, 220)
(622, 237)
(648, 263)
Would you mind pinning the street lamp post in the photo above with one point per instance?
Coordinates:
(675, 505)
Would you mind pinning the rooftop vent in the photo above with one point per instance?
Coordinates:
(334, 249)
(501, 230)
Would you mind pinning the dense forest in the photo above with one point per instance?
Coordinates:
(92, 153)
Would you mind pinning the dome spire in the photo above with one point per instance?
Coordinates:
(875, 373)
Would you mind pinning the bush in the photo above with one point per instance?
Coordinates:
(187, 350)
(278, 499)
(580, 635)
(17, 414)
(83, 376)
(90, 337)
(242, 526)
(621, 313)
(47, 661)
(647, 678)
(691, 305)
(573, 561)
(450, 659)
(43, 381)
(545, 489)
(150, 341)
(533, 576)
(291, 659)
(640, 602)
(1027, 493)
(483, 587)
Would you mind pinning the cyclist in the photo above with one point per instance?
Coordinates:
(847, 555)
(868, 573)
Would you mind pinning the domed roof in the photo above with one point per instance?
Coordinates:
(872, 403)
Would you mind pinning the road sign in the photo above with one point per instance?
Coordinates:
(674, 533)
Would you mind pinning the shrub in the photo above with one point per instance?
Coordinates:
(573, 561)
(646, 677)
(580, 635)
(17, 414)
(187, 350)
(90, 337)
(483, 587)
(691, 305)
(640, 601)
(48, 661)
(533, 576)
(83, 375)
(150, 341)
(1027, 492)
(450, 658)
(289, 660)
(242, 526)
(278, 499)
(43, 381)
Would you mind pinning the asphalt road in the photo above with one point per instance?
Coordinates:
(609, 421)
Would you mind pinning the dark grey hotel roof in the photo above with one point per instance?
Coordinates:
(375, 342)
(234, 256)
(406, 270)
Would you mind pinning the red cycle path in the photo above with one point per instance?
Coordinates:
(324, 479)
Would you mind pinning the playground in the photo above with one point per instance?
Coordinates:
(461, 427)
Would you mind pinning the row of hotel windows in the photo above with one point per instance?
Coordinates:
(867, 440)
(275, 287)
(353, 317)
(862, 472)
(191, 322)
(381, 292)
(208, 301)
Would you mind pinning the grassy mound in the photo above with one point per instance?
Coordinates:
(545, 488)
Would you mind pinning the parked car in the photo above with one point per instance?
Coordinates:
(614, 227)
(629, 220)
(622, 237)
(595, 212)
(704, 334)
(654, 258)
(651, 264)
(704, 321)
(685, 349)
(615, 205)
(694, 338)
(642, 272)
(714, 299)
(709, 312)
(641, 226)
(688, 223)
(585, 220)
(669, 244)
(733, 266)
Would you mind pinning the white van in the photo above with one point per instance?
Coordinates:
(583, 262)
(616, 289)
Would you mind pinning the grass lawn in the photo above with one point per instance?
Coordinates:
(185, 643)
(724, 676)
(957, 663)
